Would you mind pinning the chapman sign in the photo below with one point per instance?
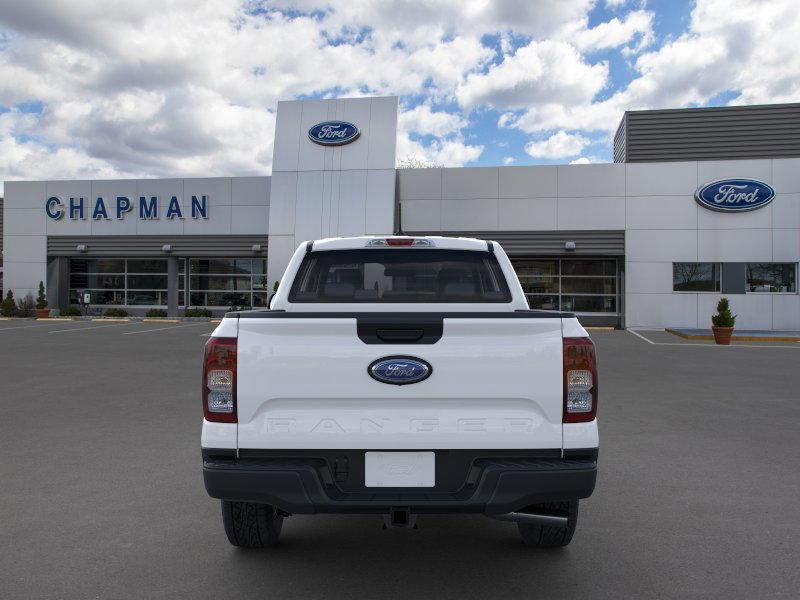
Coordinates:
(735, 195)
(333, 133)
(147, 208)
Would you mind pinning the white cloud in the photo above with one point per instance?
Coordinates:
(188, 87)
(559, 145)
(547, 71)
(745, 47)
(587, 160)
(616, 32)
(509, 160)
(424, 121)
(447, 153)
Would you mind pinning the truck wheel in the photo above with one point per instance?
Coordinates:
(542, 536)
(251, 525)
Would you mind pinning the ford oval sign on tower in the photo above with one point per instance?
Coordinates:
(333, 133)
(400, 370)
(735, 195)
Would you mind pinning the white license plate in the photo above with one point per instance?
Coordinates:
(399, 469)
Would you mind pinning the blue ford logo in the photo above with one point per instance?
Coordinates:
(400, 370)
(735, 195)
(333, 133)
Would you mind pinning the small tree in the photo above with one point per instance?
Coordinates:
(41, 299)
(414, 162)
(25, 306)
(724, 316)
(8, 308)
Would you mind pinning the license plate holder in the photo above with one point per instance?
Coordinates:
(400, 469)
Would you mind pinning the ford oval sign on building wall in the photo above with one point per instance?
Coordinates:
(735, 195)
(333, 133)
(400, 370)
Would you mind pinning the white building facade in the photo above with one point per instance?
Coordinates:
(623, 244)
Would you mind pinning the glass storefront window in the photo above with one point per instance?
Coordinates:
(97, 281)
(97, 265)
(117, 281)
(158, 265)
(147, 282)
(772, 277)
(579, 285)
(589, 267)
(225, 282)
(539, 285)
(695, 277)
(543, 302)
(221, 266)
(589, 285)
(104, 297)
(589, 303)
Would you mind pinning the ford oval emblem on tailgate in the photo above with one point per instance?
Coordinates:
(399, 370)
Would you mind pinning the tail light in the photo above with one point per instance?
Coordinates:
(580, 380)
(219, 380)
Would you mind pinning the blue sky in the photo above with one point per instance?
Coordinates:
(159, 88)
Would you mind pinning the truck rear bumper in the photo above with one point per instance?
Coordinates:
(484, 482)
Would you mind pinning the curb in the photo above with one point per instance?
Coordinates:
(111, 320)
(735, 338)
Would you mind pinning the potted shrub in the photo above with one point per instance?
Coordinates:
(42, 312)
(723, 322)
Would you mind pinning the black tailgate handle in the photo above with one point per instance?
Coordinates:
(400, 329)
(399, 336)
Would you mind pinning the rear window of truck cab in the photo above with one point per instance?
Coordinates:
(399, 275)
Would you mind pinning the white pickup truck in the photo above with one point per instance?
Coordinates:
(399, 376)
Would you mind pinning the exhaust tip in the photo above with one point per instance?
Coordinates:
(541, 519)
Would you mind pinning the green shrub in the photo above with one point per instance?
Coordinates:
(8, 308)
(116, 312)
(724, 316)
(26, 306)
(156, 312)
(197, 312)
(71, 311)
(41, 299)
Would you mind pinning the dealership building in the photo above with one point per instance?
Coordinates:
(698, 204)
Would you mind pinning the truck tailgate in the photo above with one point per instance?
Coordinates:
(303, 383)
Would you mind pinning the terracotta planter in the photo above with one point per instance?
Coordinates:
(722, 335)
(42, 313)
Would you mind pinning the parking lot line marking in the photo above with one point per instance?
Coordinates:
(640, 336)
(686, 344)
(162, 328)
(28, 326)
(88, 328)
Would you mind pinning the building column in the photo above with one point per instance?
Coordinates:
(60, 296)
(172, 286)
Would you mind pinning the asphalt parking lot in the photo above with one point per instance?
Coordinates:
(101, 492)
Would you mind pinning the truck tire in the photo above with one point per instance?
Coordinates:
(542, 536)
(251, 525)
